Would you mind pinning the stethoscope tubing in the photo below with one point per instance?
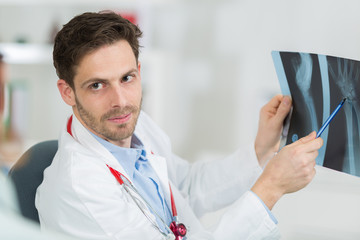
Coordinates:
(127, 184)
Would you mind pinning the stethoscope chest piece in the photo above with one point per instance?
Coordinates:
(179, 230)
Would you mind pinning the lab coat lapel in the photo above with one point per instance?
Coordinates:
(82, 135)
(159, 165)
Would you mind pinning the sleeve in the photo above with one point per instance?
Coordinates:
(253, 223)
(208, 185)
(266, 208)
(227, 184)
(211, 185)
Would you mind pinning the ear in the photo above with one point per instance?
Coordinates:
(139, 68)
(66, 92)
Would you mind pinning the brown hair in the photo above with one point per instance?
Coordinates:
(86, 33)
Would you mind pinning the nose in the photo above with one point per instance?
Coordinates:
(118, 97)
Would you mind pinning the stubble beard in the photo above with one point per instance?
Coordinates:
(100, 126)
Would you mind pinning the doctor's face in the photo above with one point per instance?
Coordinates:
(107, 92)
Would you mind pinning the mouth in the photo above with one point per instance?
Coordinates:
(120, 119)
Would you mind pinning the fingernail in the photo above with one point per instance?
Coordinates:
(286, 101)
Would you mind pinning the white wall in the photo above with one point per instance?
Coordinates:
(213, 57)
(209, 70)
(225, 71)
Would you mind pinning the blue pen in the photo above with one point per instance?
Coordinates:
(327, 122)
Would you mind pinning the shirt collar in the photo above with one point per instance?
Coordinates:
(127, 157)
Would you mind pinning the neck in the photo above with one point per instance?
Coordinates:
(125, 143)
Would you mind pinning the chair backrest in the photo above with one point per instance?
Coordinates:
(27, 175)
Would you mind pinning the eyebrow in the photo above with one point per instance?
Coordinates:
(93, 80)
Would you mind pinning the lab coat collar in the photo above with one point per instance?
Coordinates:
(158, 163)
(127, 157)
(84, 137)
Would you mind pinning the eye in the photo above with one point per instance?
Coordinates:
(96, 86)
(127, 78)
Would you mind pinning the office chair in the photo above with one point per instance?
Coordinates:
(27, 175)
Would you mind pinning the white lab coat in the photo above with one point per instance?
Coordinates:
(79, 196)
(13, 226)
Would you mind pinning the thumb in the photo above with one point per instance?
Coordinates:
(283, 109)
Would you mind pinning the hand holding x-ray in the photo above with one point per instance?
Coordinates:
(317, 84)
(271, 120)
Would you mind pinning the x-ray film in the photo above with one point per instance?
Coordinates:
(317, 84)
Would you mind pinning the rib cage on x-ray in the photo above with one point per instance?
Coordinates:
(317, 84)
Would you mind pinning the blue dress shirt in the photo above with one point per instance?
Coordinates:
(143, 177)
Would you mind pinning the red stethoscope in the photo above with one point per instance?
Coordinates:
(178, 229)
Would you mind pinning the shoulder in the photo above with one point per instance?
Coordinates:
(75, 178)
(74, 167)
(79, 164)
(146, 124)
(147, 130)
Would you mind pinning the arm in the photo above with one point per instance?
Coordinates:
(197, 180)
(293, 167)
(289, 171)
(202, 182)
(212, 185)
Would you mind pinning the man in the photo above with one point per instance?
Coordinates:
(115, 176)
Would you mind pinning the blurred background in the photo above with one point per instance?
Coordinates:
(206, 71)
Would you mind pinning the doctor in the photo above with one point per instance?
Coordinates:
(115, 176)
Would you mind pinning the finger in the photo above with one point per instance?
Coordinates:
(305, 139)
(308, 143)
(305, 155)
(313, 145)
(274, 103)
(283, 109)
